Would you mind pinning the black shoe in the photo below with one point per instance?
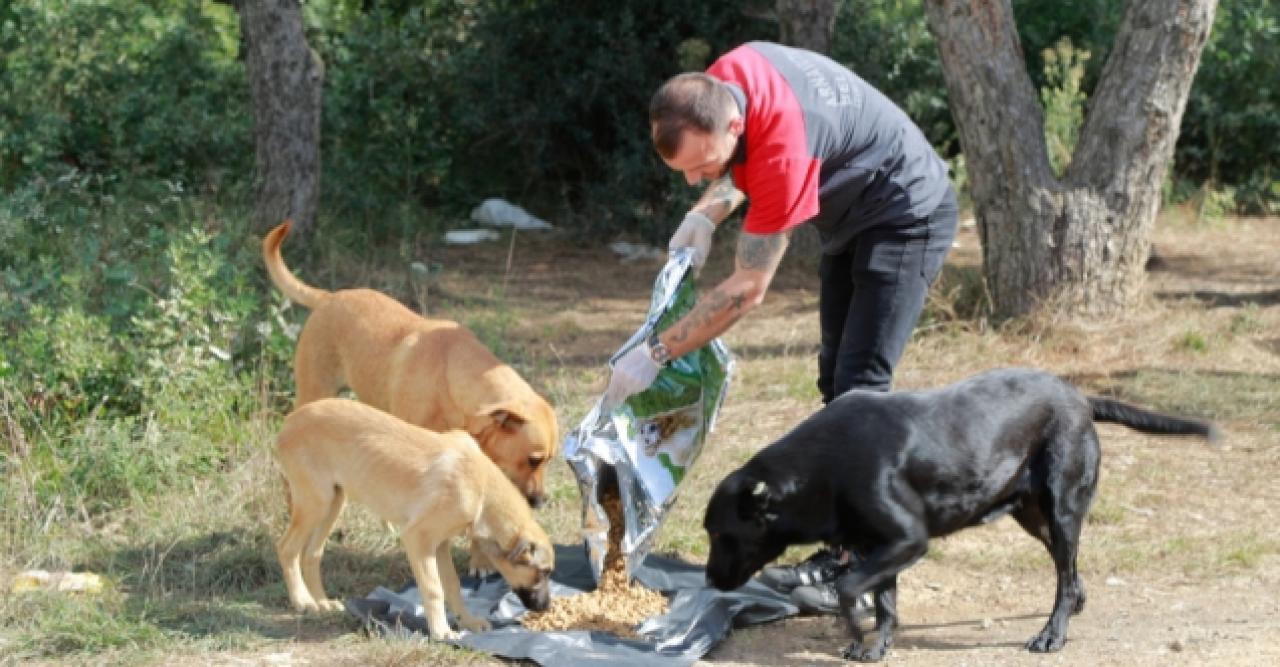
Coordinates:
(823, 599)
(821, 568)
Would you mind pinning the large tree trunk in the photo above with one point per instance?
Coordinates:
(1077, 243)
(807, 24)
(285, 80)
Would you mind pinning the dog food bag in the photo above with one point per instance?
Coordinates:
(647, 445)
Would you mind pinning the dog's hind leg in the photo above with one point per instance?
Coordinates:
(1068, 490)
(315, 552)
(1032, 520)
(303, 519)
(316, 370)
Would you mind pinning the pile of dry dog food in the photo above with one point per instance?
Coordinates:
(617, 605)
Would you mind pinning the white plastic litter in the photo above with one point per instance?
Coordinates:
(502, 213)
(630, 252)
(65, 582)
(469, 236)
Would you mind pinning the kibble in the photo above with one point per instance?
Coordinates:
(616, 606)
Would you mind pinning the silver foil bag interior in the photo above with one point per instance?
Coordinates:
(642, 449)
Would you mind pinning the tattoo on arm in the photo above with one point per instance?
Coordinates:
(720, 199)
(707, 309)
(760, 252)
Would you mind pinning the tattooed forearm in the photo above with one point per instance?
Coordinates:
(716, 306)
(719, 199)
(760, 252)
(722, 191)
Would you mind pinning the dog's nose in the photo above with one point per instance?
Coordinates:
(535, 599)
(536, 499)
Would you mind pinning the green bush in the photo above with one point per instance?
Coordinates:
(1233, 114)
(133, 343)
(445, 104)
(888, 43)
(1063, 101)
(143, 88)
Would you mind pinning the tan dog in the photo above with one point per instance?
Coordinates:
(432, 373)
(431, 486)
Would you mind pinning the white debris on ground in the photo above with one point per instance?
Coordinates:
(630, 252)
(63, 582)
(469, 236)
(502, 213)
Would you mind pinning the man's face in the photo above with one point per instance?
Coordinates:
(705, 155)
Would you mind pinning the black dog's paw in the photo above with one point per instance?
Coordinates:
(1046, 642)
(856, 651)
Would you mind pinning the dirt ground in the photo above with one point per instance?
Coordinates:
(1152, 600)
(1179, 558)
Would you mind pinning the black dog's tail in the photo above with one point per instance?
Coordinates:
(1146, 421)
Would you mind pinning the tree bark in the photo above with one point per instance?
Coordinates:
(1078, 243)
(285, 80)
(807, 24)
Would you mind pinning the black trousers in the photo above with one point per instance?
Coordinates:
(871, 297)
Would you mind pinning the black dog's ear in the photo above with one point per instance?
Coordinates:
(756, 501)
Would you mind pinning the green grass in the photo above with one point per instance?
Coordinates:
(137, 424)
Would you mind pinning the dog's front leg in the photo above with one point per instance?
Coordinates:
(879, 570)
(421, 547)
(849, 587)
(886, 598)
(453, 591)
(479, 566)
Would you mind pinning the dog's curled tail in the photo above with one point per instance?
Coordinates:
(293, 288)
(1147, 421)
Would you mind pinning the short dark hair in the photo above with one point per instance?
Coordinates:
(690, 100)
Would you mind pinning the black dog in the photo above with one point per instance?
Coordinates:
(879, 474)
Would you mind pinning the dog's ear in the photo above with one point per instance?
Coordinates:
(521, 553)
(504, 415)
(756, 501)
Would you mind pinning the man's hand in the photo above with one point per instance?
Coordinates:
(695, 231)
(632, 374)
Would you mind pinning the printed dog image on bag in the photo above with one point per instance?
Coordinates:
(671, 437)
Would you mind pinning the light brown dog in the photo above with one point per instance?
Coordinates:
(431, 486)
(432, 373)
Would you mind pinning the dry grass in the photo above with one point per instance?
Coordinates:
(1181, 533)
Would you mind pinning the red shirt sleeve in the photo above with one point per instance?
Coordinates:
(779, 176)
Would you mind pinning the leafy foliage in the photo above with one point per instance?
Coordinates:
(1063, 101)
(1233, 114)
(132, 339)
(140, 88)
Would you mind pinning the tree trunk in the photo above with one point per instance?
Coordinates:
(807, 24)
(1078, 243)
(285, 80)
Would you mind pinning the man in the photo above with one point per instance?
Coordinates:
(806, 141)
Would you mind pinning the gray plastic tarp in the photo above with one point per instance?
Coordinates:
(698, 618)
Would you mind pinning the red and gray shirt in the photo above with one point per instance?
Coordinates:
(823, 146)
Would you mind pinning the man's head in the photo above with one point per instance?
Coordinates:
(695, 126)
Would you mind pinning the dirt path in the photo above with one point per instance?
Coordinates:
(1178, 558)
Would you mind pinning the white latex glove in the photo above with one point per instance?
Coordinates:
(632, 374)
(694, 231)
